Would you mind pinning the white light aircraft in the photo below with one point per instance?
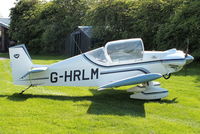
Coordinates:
(119, 63)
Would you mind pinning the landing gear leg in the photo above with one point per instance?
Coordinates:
(25, 89)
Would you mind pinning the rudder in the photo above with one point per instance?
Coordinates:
(20, 62)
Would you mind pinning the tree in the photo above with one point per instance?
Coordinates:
(24, 17)
(182, 27)
(130, 19)
(59, 19)
(162, 24)
(110, 20)
(45, 25)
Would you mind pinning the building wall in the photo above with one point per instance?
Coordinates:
(86, 43)
(82, 40)
(4, 39)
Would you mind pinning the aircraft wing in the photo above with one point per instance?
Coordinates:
(35, 70)
(132, 80)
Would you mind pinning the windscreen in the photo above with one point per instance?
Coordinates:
(127, 50)
(97, 55)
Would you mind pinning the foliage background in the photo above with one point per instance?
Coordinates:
(162, 24)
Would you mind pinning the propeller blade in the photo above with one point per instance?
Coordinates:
(187, 48)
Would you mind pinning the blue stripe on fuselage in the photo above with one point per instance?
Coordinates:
(145, 62)
(145, 71)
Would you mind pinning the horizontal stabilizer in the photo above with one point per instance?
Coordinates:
(35, 70)
(133, 80)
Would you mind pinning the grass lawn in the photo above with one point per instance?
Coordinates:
(75, 110)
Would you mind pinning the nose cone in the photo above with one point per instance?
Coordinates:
(189, 59)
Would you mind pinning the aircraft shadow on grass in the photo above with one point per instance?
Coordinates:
(107, 102)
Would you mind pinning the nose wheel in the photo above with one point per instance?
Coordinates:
(148, 91)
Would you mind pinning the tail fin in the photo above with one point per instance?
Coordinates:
(20, 63)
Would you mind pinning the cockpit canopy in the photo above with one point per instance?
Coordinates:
(118, 52)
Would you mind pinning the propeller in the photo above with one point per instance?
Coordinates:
(187, 47)
(186, 54)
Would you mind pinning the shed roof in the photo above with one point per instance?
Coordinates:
(87, 30)
(5, 22)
